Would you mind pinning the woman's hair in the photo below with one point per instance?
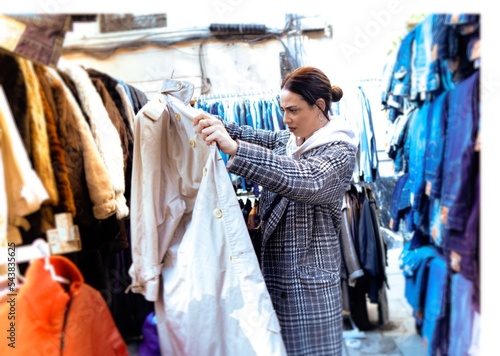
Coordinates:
(312, 84)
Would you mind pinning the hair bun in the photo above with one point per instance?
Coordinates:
(337, 93)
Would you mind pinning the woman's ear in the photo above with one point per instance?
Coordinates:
(321, 104)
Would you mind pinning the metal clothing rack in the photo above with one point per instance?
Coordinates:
(207, 97)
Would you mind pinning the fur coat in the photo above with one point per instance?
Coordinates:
(38, 131)
(57, 154)
(105, 134)
(12, 79)
(22, 192)
(83, 159)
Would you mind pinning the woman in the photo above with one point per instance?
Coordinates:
(304, 172)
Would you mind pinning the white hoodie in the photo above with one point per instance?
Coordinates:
(337, 129)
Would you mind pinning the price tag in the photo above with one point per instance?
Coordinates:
(444, 214)
(428, 188)
(10, 32)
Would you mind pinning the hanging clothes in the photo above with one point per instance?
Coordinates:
(192, 254)
(362, 225)
(355, 109)
(57, 152)
(104, 133)
(52, 115)
(22, 192)
(259, 111)
(439, 181)
(52, 319)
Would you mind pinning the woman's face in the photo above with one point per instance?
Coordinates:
(301, 118)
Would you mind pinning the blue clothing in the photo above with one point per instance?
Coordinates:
(265, 115)
(440, 33)
(461, 19)
(440, 49)
(279, 113)
(434, 148)
(417, 143)
(463, 114)
(436, 226)
(415, 287)
(249, 117)
(401, 80)
(398, 132)
(435, 321)
(426, 76)
(400, 201)
(127, 89)
(461, 315)
(150, 345)
(466, 243)
(414, 263)
(410, 260)
(367, 144)
(256, 113)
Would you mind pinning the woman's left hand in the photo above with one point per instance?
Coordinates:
(213, 130)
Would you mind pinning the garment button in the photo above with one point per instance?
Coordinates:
(192, 142)
(218, 213)
(177, 116)
(205, 170)
(179, 85)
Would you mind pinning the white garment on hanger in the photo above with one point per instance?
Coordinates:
(191, 250)
(23, 192)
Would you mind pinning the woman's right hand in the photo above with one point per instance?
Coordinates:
(213, 130)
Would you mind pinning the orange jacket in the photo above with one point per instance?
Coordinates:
(48, 318)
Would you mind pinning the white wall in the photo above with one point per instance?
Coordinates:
(356, 50)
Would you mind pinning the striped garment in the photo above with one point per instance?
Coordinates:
(300, 250)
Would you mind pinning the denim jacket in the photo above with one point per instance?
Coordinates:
(434, 149)
(417, 142)
(463, 116)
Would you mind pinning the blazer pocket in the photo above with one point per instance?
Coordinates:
(316, 278)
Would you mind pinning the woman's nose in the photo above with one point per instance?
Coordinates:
(285, 119)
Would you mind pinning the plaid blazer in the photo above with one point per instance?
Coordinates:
(300, 250)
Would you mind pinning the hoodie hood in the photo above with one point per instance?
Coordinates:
(337, 129)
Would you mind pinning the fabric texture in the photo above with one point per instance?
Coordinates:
(24, 191)
(98, 181)
(336, 129)
(300, 251)
(12, 80)
(104, 133)
(192, 254)
(57, 153)
(38, 131)
(55, 319)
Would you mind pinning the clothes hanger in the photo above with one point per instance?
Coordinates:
(48, 266)
(39, 249)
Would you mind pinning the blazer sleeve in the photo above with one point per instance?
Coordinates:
(321, 178)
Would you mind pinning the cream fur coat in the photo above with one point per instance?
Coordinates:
(99, 184)
(105, 134)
